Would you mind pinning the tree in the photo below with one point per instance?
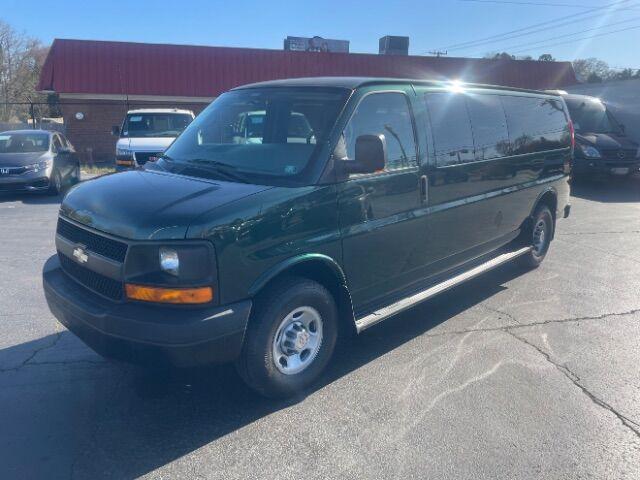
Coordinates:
(21, 59)
(500, 56)
(591, 70)
(546, 57)
(625, 74)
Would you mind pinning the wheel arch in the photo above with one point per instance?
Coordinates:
(317, 267)
(548, 197)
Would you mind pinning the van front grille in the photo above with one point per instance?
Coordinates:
(92, 280)
(143, 157)
(95, 242)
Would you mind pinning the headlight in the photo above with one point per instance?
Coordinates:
(37, 167)
(169, 261)
(124, 152)
(590, 152)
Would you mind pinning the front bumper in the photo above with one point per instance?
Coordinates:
(146, 334)
(603, 167)
(26, 182)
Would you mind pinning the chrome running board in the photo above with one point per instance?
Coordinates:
(408, 302)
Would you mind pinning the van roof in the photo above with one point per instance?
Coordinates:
(160, 110)
(352, 83)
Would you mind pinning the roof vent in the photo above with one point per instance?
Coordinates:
(391, 45)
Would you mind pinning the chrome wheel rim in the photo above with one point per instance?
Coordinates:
(539, 237)
(297, 340)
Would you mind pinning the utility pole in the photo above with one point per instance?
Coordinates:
(33, 114)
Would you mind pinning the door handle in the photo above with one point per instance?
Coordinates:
(424, 188)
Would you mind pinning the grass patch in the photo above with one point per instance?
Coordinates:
(97, 169)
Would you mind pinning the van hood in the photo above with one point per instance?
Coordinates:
(145, 144)
(606, 141)
(22, 159)
(148, 205)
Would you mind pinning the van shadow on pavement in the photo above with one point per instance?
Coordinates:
(103, 419)
(611, 190)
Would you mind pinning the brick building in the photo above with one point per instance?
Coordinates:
(98, 81)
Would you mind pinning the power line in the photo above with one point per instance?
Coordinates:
(557, 37)
(582, 38)
(541, 4)
(530, 27)
(544, 29)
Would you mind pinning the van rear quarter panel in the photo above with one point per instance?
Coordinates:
(255, 234)
(477, 202)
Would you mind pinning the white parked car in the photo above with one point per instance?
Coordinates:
(146, 133)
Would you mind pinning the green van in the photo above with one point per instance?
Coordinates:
(354, 199)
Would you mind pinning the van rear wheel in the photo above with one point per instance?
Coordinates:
(539, 237)
(290, 338)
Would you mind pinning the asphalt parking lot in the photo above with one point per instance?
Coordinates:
(514, 375)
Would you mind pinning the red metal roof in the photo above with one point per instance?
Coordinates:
(97, 67)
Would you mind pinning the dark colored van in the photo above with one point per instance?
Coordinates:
(353, 200)
(602, 145)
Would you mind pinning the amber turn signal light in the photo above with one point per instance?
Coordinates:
(124, 163)
(169, 295)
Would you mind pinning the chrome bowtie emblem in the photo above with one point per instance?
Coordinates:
(80, 255)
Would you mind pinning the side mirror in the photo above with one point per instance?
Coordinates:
(371, 155)
(115, 131)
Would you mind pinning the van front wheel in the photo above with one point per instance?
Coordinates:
(290, 338)
(539, 236)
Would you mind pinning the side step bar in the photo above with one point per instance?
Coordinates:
(406, 303)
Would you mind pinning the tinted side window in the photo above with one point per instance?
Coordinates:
(535, 124)
(385, 114)
(490, 134)
(451, 127)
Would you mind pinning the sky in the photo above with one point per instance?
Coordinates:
(462, 27)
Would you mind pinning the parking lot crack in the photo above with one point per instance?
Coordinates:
(575, 379)
(502, 312)
(28, 360)
(533, 324)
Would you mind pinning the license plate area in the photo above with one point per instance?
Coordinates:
(620, 171)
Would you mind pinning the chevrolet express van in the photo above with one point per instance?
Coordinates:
(263, 252)
(146, 133)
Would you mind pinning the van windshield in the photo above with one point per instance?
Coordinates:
(257, 134)
(154, 124)
(592, 116)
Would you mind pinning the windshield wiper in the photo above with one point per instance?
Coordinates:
(224, 169)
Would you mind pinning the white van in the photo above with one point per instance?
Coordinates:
(146, 133)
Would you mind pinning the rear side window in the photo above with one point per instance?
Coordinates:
(451, 127)
(535, 124)
(385, 114)
(490, 133)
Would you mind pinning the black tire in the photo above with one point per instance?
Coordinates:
(55, 182)
(75, 176)
(257, 363)
(539, 236)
